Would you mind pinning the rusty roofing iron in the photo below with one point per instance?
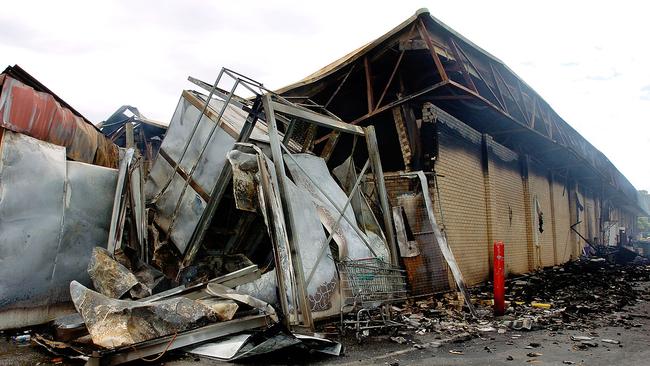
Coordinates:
(42, 115)
(24, 77)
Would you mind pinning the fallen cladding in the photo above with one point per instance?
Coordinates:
(48, 227)
(190, 163)
(295, 225)
(113, 279)
(113, 323)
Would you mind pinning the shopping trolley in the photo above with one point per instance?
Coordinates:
(369, 286)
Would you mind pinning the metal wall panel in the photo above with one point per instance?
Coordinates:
(209, 165)
(351, 245)
(31, 218)
(52, 213)
(88, 202)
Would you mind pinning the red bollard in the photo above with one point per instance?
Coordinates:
(499, 278)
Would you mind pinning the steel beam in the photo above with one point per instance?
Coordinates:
(392, 74)
(496, 82)
(315, 118)
(481, 77)
(424, 34)
(521, 110)
(382, 193)
(339, 87)
(463, 67)
(369, 90)
(278, 161)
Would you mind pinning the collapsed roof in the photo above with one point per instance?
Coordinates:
(422, 59)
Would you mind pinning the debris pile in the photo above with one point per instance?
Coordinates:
(578, 295)
(222, 229)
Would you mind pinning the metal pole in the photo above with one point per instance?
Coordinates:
(373, 155)
(187, 144)
(278, 161)
(130, 139)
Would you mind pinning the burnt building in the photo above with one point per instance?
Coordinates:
(502, 164)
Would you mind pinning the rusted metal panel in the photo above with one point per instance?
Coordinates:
(38, 114)
(107, 153)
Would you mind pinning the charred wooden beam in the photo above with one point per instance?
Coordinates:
(424, 34)
(371, 101)
(480, 75)
(462, 66)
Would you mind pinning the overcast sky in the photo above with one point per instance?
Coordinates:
(590, 60)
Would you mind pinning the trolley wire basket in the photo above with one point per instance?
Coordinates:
(367, 285)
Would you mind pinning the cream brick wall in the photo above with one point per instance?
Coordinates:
(563, 237)
(482, 204)
(508, 212)
(538, 184)
(462, 198)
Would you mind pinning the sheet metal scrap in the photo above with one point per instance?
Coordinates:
(224, 292)
(179, 340)
(112, 279)
(180, 183)
(49, 227)
(310, 238)
(244, 169)
(40, 114)
(120, 202)
(330, 199)
(196, 291)
(247, 345)
(114, 323)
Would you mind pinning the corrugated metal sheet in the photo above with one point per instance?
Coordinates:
(38, 114)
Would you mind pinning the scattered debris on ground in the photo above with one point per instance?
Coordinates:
(572, 305)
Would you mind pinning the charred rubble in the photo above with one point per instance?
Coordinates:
(230, 233)
(228, 230)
